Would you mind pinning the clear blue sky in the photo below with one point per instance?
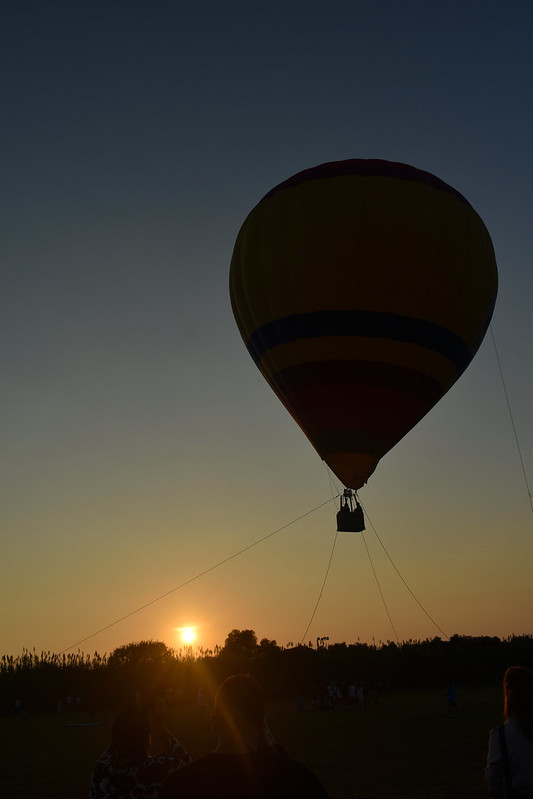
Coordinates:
(140, 445)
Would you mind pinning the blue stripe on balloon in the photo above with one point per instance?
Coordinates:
(361, 323)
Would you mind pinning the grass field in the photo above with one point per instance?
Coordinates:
(405, 746)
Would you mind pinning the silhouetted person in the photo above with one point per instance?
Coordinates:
(509, 769)
(246, 763)
(126, 770)
(452, 700)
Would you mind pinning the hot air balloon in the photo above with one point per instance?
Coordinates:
(362, 290)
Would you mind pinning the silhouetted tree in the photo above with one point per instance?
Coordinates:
(241, 644)
(267, 647)
(141, 652)
(149, 668)
(145, 668)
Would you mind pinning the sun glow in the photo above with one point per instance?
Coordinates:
(187, 634)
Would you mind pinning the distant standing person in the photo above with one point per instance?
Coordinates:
(126, 770)
(246, 763)
(452, 700)
(509, 769)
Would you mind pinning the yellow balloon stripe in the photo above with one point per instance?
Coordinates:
(337, 244)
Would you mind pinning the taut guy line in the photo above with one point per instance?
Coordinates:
(196, 577)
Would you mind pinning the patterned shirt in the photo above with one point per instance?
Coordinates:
(112, 779)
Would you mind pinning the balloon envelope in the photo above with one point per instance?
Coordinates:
(362, 290)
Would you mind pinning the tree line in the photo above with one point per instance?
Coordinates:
(46, 682)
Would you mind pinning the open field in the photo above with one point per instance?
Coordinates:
(405, 746)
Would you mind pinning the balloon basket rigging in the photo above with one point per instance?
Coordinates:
(350, 517)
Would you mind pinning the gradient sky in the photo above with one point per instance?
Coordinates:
(140, 445)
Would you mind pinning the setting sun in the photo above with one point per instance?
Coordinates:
(187, 634)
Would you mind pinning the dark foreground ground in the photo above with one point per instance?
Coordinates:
(404, 746)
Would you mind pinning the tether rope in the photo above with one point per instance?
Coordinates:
(511, 417)
(379, 589)
(321, 590)
(432, 620)
(420, 605)
(334, 488)
(196, 577)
